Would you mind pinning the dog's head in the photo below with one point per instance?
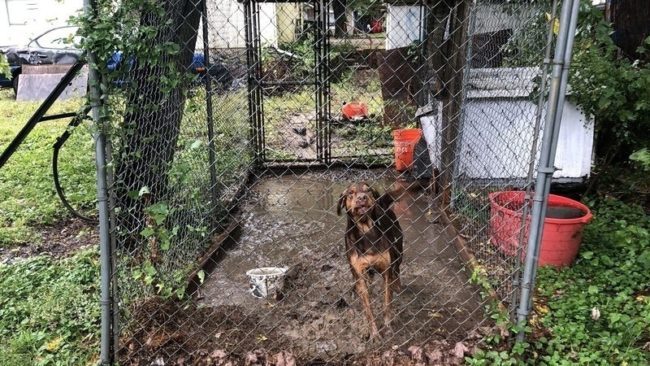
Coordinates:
(358, 201)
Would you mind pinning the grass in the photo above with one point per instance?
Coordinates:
(361, 139)
(49, 311)
(596, 312)
(27, 196)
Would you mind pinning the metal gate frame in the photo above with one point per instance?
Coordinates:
(256, 84)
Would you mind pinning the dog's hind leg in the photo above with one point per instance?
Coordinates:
(388, 297)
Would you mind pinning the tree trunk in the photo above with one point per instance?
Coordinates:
(452, 105)
(153, 118)
(446, 38)
(349, 18)
(340, 19)
(631, 20)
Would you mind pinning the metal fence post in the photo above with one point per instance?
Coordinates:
(561, 61)
(102, 202)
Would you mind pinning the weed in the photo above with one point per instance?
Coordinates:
(49, 313)
(597, 311)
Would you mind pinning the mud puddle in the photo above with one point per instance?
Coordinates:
(291, 221)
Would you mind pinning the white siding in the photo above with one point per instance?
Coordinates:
(227, 27)
(497, 131)
(403, 25)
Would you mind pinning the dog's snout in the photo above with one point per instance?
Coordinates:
(362, 197)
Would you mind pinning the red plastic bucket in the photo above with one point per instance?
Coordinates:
(354, 110)
(404, 141)
(562, 233)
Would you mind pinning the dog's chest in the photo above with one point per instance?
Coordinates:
(378, 261)
(369, 241)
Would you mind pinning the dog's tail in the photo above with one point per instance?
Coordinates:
(394, 192)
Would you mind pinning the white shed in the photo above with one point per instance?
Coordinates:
(227, 25)
(403, 25)
(498, 125)
(498, 114)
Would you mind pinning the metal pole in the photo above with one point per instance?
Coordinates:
(39, 115)
(558, 113)
(102, 202)
(533, 153)
(546, 169)
(214, 189)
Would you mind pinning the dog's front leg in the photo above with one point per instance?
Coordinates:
(362, 290)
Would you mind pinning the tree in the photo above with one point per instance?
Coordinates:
(154, 110)
(340, 19)
(631, 22)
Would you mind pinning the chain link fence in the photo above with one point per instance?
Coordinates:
(231, 149)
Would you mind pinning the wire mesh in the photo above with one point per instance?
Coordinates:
(233, 151)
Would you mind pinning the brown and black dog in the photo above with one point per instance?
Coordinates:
(373, 243)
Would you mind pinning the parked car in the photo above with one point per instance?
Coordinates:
(56, 47)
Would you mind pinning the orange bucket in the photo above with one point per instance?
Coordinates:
(562, 233)
(404, 141)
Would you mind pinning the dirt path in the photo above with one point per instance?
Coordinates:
(291, 221)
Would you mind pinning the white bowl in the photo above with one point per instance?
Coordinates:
(265, 281)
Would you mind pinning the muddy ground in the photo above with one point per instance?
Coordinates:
(291, 221)
(58, 240)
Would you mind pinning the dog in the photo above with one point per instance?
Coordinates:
(373, 244)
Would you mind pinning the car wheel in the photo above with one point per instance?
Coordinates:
(14, 84)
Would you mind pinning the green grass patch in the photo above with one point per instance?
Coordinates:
(596, 312)
(611, 278)
(27, 195)
(49, 312)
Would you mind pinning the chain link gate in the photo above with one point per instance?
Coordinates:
(264, 81)
(242, 162)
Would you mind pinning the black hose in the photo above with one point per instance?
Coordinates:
(60, 141)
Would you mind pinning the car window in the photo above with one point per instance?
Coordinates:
(58, 38)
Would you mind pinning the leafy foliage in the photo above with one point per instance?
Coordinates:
(49, 313)
(612, 88)
(4, 66)
(529, 40)
(642, 157)
(612, 276)
(598, 311)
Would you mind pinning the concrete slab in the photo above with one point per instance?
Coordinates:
(37, 82)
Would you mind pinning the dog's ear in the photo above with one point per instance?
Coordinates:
(341, 205)
(375, 194)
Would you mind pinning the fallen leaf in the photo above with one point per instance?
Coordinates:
(284, 358)
(640, 298)
(158, 361)
(435, 355)
(460, 349)
(388, 357)
(595, 313)
(542, 309)
(54, 344)
(219, 354)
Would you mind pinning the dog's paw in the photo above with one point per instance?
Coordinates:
(387, 330)
(374, 335)
(375, 339)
